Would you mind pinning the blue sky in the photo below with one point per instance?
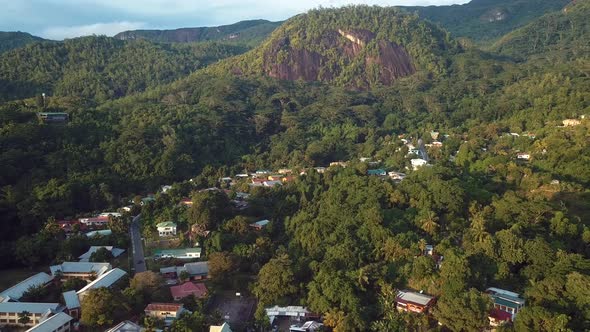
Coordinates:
(59, 19)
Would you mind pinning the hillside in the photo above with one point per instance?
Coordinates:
(563, 34)
(15, 39)
(486, 20)
(248, 33)
(357, 46)
(101, 68)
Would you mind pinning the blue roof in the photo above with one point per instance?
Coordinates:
(376, 172)
(71, 299)
(52, 323)
(33, 308)
(105, 280)
(261, 223)
(16, 292)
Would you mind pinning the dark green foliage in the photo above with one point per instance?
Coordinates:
(15, 39)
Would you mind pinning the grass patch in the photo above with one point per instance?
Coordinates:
(10, 277)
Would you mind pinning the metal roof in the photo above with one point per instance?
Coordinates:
(421, 299)
(177, 253)
(105, 280)
(197, 268)
(80, 267)
(52, 323)
(71, 299)
(261, 223)
(126, 326)
(166, 224)
(33, 308)
(104, 232)
(85, 257)
(16, 292)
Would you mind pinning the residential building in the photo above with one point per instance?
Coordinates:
(275, 177)
(259, 225)
(293, 312)
(377, 172)
(107, 280)
(179, 292)
(272, 183)
(571, 122)
(320, 170)
(414, 302)
(110, 214)
(523, 156)
(309, 326)
(338, 163)
(72, 302)
(285, 171)
(165, 311)
(498, 317)
(126, 326)
(417, 163)
(37, 312)
(221, 328)
(396, 176)
(166, 228)
(81, 270)
(187, 253)
(95, 221)
(196, 270)
(186, 202)
(506, 301)
(85, 257)
(262, 172)
(53, 117)
(59, 322)
(164, 189)
(15, 292)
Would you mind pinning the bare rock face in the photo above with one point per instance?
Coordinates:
(286, 62)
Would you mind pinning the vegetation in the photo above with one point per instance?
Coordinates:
(12, 40)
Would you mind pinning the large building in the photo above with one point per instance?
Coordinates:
(187, 253)
(15, 292)
(59, 322)
(506, 301)
(165, 311)
(107, 280)
(166, 228)
(81, 270)
(413, 302)
(9, 312)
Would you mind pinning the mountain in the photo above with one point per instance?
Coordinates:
(485, 20)
(15, 39)
(248, 33)
(101, 68)
(564, 33)
(356, 46)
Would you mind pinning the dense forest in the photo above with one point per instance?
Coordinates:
(143, 114)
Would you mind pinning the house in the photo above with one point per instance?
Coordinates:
(187, 253)
(15, 292)
(103, 232)
(59, 322)
(571, 122)
(106, 280)
(242, 176)
(498, 317)
(523, 156)
(272, 183)
(275, 177)
(221, 328)
(320, 170)
(81, 270)
(377, 172)
(296, 312)
(429, 250)
(37, 312)
(147, 200)
(285, 171)
(396, 176)
(127, 208)
(53, 117)
(110, 214)
(288, 178)
(309, 326)
(164, 189)
(186, 202)
(197, 270)
(72, 302)
(165, 311)
(338, 164)
(85, 257)
(259, 225)
(417, 163)
(166, 228)
(413, 302)
(126, 326)
(95, 221)
(437, 144)
(179, 292)
(68, 225)
(506, 301)
(262, 172)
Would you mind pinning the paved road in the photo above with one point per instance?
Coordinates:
(138, 258)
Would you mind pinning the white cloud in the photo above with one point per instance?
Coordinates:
(108, 29)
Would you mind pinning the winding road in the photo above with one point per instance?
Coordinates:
(138, 256)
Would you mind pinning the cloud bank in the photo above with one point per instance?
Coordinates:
(108, 29)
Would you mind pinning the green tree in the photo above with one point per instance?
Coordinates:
(24, 317)
(102, 307)
(467, 311)
(275, 282)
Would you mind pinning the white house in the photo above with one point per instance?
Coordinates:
(166, 228)
(417, 163)
(523, 156)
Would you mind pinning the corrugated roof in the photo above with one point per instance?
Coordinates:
(166, 224)
(261, 223)
(16, 292)
(104, 232)
(71, 299)
(86, 256)
(197, 268)
(126, 326)
(80, 267)
(414, 297)
(105, 280)
(33, 308)
(188, 288)
(177, 252)
(222, 328)
(171, 307)
(52, 323)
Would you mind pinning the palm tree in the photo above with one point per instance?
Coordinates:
(429, 223)
(24, 317)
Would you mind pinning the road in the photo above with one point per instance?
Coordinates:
(135, 233)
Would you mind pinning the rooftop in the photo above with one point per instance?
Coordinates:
(86, 256)
(260, 223)
(197, 268)
(188, 288)
(221, 328)
(166, 224)
(177, 252)
(52, 323)
(71, 299)
(80, 267)
(126, 326)
(171, 307)
(413, 297)
(104, 232)
(105, 280)
(33, 308)
(16, 292)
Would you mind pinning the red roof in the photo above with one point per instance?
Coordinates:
(188, 288)
(500, 315)
(171, 307)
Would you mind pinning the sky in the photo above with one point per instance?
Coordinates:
(59, 19)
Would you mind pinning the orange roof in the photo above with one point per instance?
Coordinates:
(172, 307)
(188, 288)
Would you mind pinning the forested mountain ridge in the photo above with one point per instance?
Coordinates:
(248, 33)
(486, 20)
(355, 46)
(101, 68)
(14, 39)
(564, 34)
